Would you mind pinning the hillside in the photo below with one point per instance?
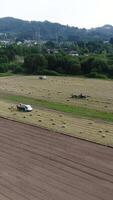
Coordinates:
(36, 30)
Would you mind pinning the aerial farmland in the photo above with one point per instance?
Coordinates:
(56, 100)
(63, 145)
(92, 122)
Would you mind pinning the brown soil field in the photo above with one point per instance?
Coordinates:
(60, 89)
(93, 130)
(36, 164)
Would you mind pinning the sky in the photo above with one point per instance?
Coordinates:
(78, 13)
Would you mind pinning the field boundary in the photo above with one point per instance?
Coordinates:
(55, 132)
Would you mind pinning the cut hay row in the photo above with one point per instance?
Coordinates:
(60, 89)
(93, 130)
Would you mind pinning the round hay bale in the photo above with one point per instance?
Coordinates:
(106, 131)
(100, 131)
(105, 106)
(80, 132)
(103, 135)
(53, 124)
(90, 123)
(63, 126)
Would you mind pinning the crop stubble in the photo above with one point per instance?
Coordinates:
(60, 89)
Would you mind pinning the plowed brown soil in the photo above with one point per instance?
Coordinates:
(36, 164)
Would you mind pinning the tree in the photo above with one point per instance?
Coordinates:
(94, 64)
(3, 59)
(3, 68)
(72, 65)
(34, 64)
(51, 61)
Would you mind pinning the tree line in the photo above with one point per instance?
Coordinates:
(96, 66)
(36, 60)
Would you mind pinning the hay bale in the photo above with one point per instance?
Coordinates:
(80, 132)
(53, 124)
(100, 131)
(106, 131)
(63, 126)
(90, 123)
(105, 106)
(103, 135)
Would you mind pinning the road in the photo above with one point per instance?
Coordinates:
(37, 164)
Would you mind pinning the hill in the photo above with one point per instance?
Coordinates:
(36, 30)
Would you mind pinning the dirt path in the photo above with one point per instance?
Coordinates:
(36, 164)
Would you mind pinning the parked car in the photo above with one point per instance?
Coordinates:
(24, 107)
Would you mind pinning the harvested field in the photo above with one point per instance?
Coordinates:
(89, 129)
(36, 164)
(60, 89)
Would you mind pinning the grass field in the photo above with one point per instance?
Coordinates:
(60, 89)
(90, 119)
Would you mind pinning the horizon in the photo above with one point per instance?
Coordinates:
(56, 22)
(83, 14)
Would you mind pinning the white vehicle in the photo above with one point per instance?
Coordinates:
(24, 107)
(42, 77)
